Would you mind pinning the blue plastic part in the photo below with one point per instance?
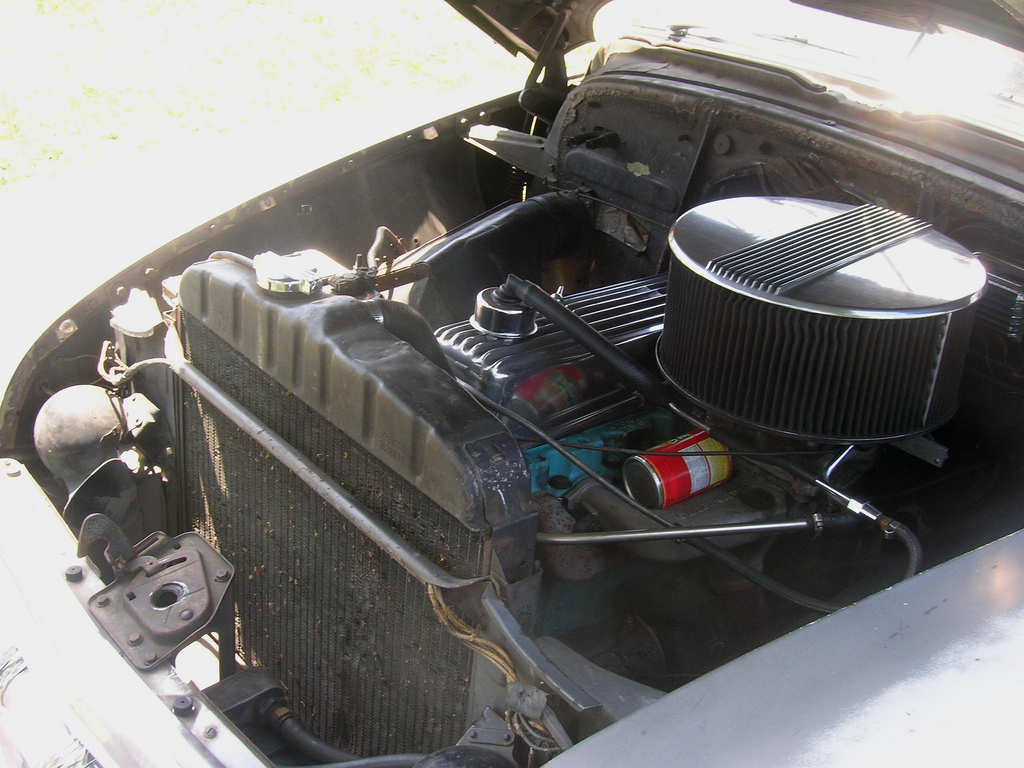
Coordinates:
(551, 473)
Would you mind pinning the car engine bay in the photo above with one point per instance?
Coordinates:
(498, 436)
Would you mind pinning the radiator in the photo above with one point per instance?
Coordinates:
(348, 632)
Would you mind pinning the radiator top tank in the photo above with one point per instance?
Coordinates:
(818, 319)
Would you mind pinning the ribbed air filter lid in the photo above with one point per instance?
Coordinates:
(817, 319)
(827, 257)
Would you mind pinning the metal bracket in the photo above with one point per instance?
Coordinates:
(490, 731)
(522, 150)
(542, 98)
(924, 448)
(166, 593)
(100, 529)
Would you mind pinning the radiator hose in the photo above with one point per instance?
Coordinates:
(382, 761)
(468, 756)
(297, 736)
(406, 324)
(521, 237)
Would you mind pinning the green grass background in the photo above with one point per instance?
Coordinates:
(86, 78)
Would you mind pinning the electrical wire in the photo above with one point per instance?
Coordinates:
(470, 637)
(533, 733)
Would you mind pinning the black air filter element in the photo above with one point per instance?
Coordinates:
(817, 319)
(347, 630)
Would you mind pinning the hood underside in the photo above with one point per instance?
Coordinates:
(521, 26)
(999, 20)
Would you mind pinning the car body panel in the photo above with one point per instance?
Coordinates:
(927, 672)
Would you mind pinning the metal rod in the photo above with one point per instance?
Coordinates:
(630, 537)
(418, 566)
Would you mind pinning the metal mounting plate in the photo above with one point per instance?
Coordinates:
(165, 597)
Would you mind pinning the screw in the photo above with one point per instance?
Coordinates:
(186, 614)
(103, 602)
(73, 573)
(210, 732)
(66, 328)
(472, 734)
(221, 574)
(183, 706)
(11, 468)
(134, 638)
(150, 658)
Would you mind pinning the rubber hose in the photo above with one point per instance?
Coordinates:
(381, 761)
(238, 258)
(915, 553)
(638, 377)
(405, 323)
(385, 248)
(519, 237)
(750, 573)
(449, 757)
(298, 736)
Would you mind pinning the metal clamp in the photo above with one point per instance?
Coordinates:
(492, 732)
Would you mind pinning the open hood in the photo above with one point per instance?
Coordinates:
(521, 26)
(999, 20)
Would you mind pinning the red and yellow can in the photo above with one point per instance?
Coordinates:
(685, 469)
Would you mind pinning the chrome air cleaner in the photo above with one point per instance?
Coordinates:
(816, 319)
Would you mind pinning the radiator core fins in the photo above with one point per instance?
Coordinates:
(350, 634)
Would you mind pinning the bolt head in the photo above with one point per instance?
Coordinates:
(134, 638)
(150, 658)
(221, 574)
(103, 602)
(66, 328)
(74, 574)
(507, 738)
(186, 614)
